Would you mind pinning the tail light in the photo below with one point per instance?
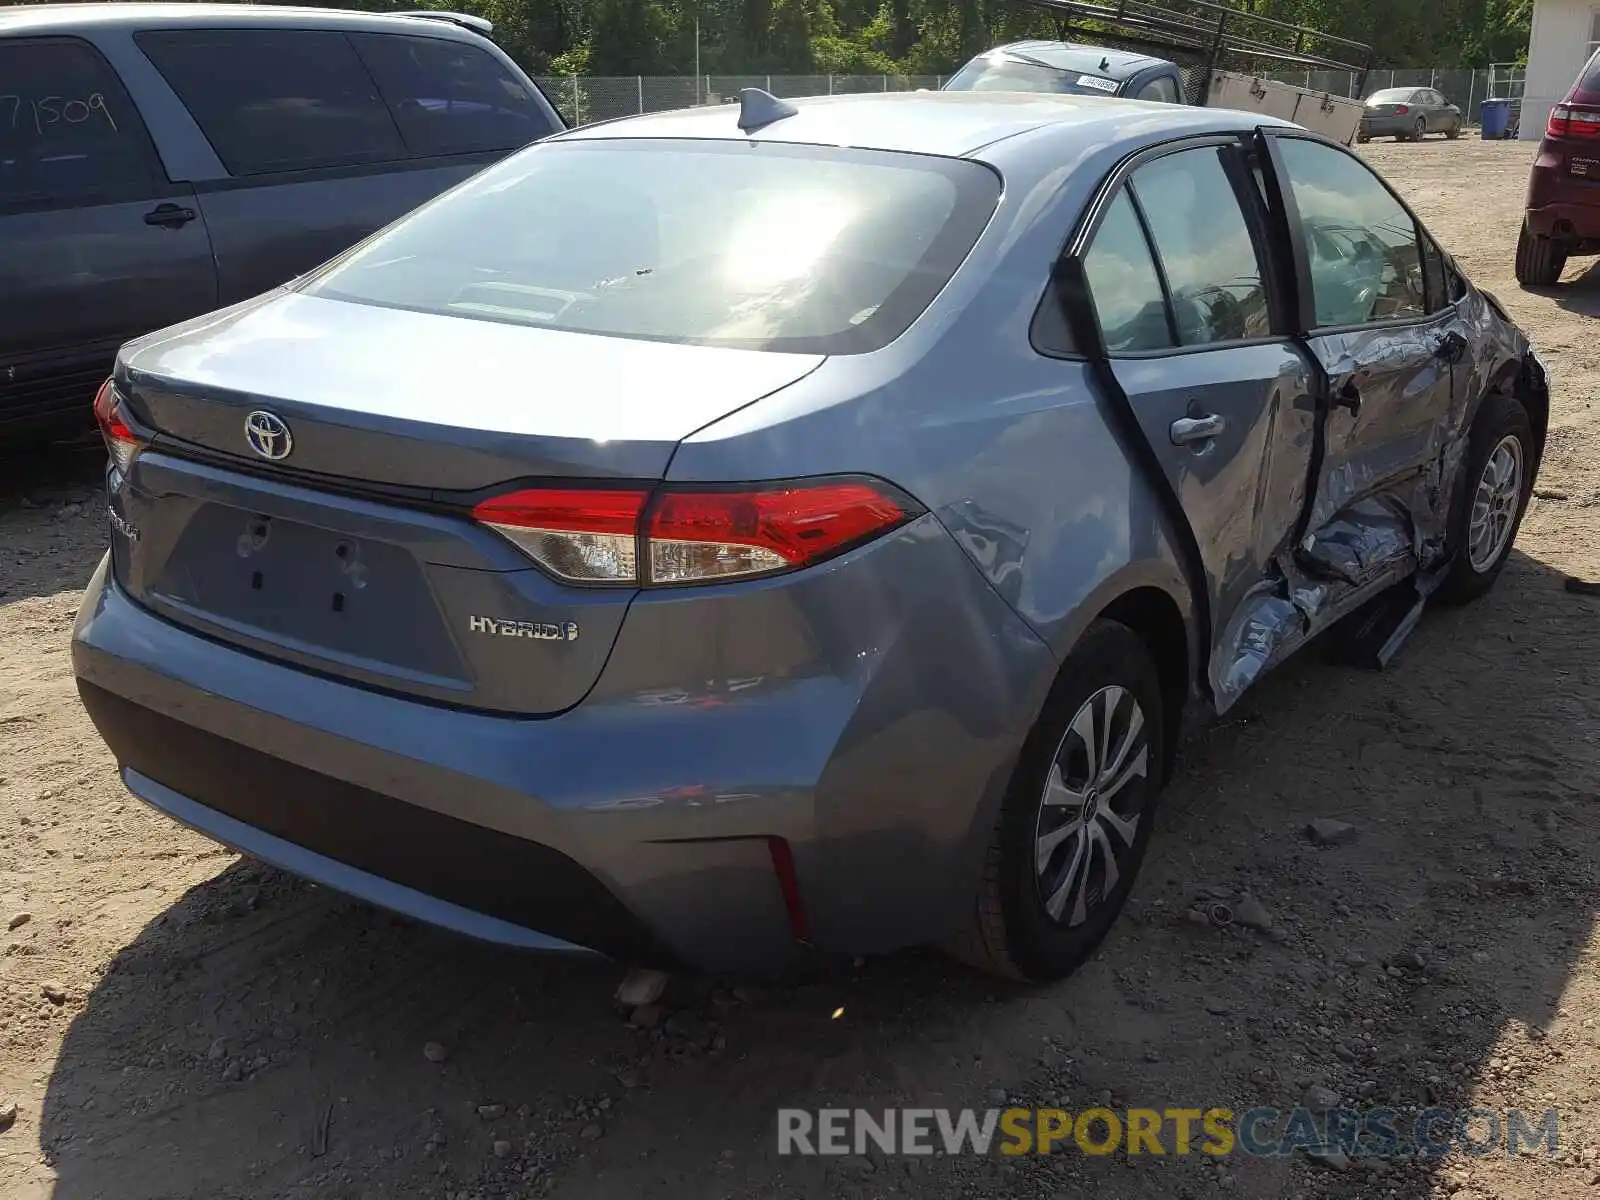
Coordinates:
(1401, 110)
(1568, 122)
(120, 441)
(688, 535)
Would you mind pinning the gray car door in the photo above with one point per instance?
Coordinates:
(1185, 306)
(1387, 341)
(96, 246)
(329, 136)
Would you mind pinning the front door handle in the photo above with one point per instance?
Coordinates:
(170, 215)
(1186, 431)
(1450, 347)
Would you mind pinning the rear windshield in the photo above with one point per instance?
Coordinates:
(1587, 89)
(756, 245)
(1392, 96)
(1009, 75)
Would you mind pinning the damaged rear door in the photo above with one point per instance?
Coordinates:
(1382, 326)
(1176, 263)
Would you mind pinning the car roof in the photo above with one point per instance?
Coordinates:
(950, 124)
(1075, 56)
(56, 18)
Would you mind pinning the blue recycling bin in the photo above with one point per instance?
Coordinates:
(1496, 118)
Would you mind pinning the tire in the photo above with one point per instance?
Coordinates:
(1501, 429)
(1540, 260)
(1011, 931)
(1420, 130)
(1454, 132)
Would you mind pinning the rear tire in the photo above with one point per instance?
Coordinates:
(1077, 815)
(1491, 496)
(1540, 260)
(1420, 130)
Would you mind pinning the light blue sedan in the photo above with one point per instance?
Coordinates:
(726, 536)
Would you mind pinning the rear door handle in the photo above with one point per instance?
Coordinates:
(1349, 396)
(1186, 431)
(170, 215)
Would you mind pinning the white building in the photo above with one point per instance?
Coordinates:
(1565, 34)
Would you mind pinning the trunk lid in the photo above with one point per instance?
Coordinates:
(386, 396)
(355, 555)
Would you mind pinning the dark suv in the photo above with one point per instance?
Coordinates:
(158, 161)
(1564, 193)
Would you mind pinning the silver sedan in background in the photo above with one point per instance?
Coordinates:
(1409, 114)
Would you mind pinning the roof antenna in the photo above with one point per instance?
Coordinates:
(1105, 63)
(758, 109)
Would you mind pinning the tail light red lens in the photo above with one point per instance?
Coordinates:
(691, 535)
(1401, 110)
(1568, 122)
(710, 535)
(588, 536)
(120, 441)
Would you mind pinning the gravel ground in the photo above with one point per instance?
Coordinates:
(177, 1022)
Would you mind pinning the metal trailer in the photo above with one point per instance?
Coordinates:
(1224, 55)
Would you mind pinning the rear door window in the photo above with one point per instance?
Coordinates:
(277, 100)
(67, 129)
(449, 97)
(1203, 243)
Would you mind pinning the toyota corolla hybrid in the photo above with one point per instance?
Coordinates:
(722, 536)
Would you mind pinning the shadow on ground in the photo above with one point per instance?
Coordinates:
(262, 1037)
(1580, 295)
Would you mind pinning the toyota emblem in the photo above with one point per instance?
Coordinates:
(268, 435)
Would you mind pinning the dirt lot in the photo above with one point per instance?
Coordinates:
(175, 1022)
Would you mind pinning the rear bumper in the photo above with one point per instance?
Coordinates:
(1388, 126)
(866, 713)
(1561, 204)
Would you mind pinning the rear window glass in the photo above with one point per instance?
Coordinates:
(449, 97)
(66, 128)
(754, 245)
(1393, 96)
(1587, 89)
(277, 100)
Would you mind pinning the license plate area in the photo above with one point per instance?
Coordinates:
(310, 588)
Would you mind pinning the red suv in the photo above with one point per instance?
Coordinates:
(1564, 193)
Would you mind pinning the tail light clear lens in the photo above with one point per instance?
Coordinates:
(1568, 122)
(120, 441)
(691, 535)
(588, 536)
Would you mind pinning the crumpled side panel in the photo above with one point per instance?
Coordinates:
(1268, 626)
(1363, 541)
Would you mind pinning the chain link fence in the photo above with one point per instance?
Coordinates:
(583, 99)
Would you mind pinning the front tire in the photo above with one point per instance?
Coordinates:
(1077, 815)
(1492, 495)
(1454, 132)
(1540, 260)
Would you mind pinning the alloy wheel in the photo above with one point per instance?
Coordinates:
(1494, 504)
(1092, 806)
